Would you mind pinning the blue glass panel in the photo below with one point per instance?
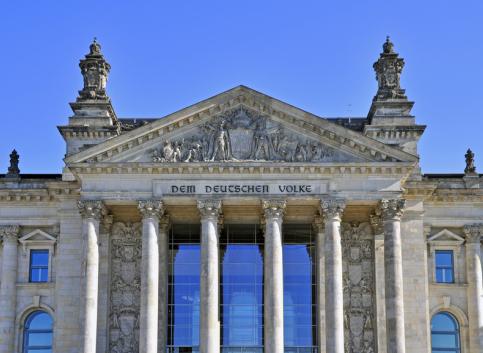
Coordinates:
(444, 258)
(40, 339)
(184, 294)
(39, 321)
(242, 296)
(444, 333)
(298, 299)
(39, 257)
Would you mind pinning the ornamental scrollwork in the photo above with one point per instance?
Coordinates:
(125, 288)
(359, 288)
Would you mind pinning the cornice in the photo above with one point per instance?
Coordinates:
(399, 169)
(52, 192)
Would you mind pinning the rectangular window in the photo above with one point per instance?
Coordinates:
(444, 265)
(184, 289)
(299, 289)
(39, 266)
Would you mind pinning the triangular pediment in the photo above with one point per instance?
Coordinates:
(241, 125)
(37, 235)
(446, 236)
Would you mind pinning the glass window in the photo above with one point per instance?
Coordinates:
(241, 269)
(39, 266)
(299, 289)
(184, 289)
(445, 335)
(38, 333)
(444, 266)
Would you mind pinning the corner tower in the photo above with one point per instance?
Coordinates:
(94, 119)
(389, 119)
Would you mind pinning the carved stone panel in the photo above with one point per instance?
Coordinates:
(359, 288)
(244, 135)
(125, 288)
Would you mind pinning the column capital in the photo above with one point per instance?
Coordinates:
(376, 223)
(92, 209)
(473, 232)
(318, 224)
(273, 208)
(9, 232)
(332, 208)
(164, 223)
(151, 208)
(106, 223)
(391, 209)
(209, 208)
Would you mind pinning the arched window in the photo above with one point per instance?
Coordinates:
(445, 333)
(37, 337)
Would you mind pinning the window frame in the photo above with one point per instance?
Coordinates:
(27, 331)
(444, 268)
(456, 332)
(46, 267)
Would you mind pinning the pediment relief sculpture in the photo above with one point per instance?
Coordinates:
(242, 135)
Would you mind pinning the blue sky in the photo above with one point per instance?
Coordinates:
(166, 55)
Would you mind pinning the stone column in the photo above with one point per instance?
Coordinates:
(209, 278)
(151, 211)
(8, 287)
(378, 229)
(92, 212)
(475, 291)
(273, 276)
(391, 211)
(332, 210)
(163, 283)
(319, 229)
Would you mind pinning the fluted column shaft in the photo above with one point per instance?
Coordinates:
(273, 276)
(475, 286)
(332, 210)
(209, 277)
(8, 288)
(148, 319)
(391, 211)
(163, 283)
(319, 228)
(92, 212)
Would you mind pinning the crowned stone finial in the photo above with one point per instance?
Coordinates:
(388, 46)
(13, 170)
(95, 70)
(470, 163)
(388, 72)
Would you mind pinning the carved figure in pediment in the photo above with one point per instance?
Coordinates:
(262, 147)
(300, 154)
(222, 146)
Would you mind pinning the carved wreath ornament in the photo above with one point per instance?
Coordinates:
(240, 136)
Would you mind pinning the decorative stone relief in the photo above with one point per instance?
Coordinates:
(95, 71)
(242, 135)
(125, 288)
(359, 288)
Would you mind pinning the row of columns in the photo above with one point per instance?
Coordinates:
(153, 315)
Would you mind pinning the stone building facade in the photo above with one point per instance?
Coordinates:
(241, 224)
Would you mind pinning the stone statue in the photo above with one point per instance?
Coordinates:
(13, 169)
(221, 144)
(261, 144)
(470, 162)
